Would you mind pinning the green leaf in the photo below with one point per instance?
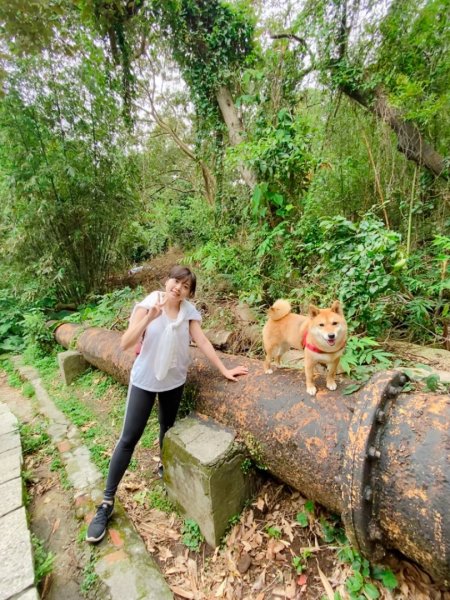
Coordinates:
(432, 382)
(302, 519)
(350, 389)
(371, 591)
(386, 576)
(355, 582)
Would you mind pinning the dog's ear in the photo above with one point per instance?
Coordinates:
(337, 308)
(313, 311)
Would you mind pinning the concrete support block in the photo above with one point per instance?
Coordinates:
(204, 476)
(71, 365)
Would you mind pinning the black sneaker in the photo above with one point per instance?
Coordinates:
(97, 527)
(160, 471)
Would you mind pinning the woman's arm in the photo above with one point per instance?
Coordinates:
(205, 346)
(138, 324)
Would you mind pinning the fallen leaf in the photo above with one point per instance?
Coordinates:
(260, 582)
(46, 584)
(232, 537)
(172, 534)
(192, 569)
(260, 504)
(181, 592)
(180, 560)
(221, 588)
(291, 589)
(249, 519)
(132, 486)
(244, 563)
(56, 524)
(165, 553)
(326, 583)
(279, 546)
(288, 530)
(173, 570)
(87, 426)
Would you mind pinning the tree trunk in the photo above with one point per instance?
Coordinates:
(235, 129)
(409, 139)
(208, 178)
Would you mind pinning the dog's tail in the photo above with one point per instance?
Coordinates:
(279, 309)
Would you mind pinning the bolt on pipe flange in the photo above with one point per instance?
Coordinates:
(360, 476)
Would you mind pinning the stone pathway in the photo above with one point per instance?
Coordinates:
(123, 564)
(16, 555)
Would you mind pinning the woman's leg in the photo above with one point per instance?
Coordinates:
(139, 405)
(168, 404)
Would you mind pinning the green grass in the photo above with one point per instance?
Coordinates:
(192, 536)
(90, 577)
(34, 436)
(28, 390)
(58, 466)
(14, 380)
(43, 559)
(7, 366)
(96, 381)
(156, 497)
(81, 535)
(151, 432)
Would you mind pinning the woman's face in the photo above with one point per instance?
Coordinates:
(178, 289)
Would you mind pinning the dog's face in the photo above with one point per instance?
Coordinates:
(328, 325)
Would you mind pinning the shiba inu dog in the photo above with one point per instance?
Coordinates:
(322, 334)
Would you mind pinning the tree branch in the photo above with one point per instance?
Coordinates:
(409, 139)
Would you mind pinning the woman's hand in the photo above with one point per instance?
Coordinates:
(232, 374)
(155, 311)
(139, 321)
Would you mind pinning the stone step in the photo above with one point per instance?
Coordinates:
(16, 553)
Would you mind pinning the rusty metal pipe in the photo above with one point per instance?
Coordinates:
(380, 458)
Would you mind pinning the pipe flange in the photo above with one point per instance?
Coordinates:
(360, 472)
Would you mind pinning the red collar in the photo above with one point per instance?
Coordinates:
(306, 344)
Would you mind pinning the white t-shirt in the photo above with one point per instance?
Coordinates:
(143, 372)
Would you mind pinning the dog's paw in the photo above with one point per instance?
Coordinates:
(331, 385)
(311, 390)
(268, 371)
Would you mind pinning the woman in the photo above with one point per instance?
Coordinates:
(168, 322)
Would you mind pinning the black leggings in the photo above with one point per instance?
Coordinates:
(139, 406)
